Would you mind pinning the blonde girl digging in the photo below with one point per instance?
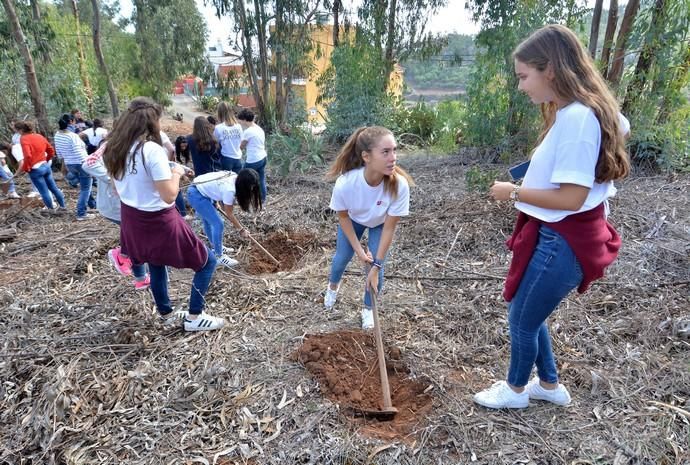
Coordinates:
(372, 193)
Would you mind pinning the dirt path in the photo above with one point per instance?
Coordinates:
(187, 106)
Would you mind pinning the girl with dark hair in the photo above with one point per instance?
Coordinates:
(182, 153)
(204, 147)
(225, 187)
(72, 150)
(37, 151)
(371, 192)
(151, 230)
(94, 136)
(562, 239)
(229, 134)
(253, 141)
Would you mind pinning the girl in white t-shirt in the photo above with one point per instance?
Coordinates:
(561, 239)
(151, 230)
(225, 187)
(229, 134)
(372, 193)
(253, 141)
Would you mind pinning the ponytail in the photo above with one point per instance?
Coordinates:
(350, 157)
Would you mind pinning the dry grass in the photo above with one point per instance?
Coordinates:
(88, 376)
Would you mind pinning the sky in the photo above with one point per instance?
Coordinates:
(452, 18)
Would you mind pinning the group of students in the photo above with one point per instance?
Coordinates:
(561, 241)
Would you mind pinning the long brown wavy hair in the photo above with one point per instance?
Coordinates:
(203, 134)
(575, 78)
(139, 124)
(350, 157)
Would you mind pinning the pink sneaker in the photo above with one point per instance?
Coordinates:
(142, 285)
(123, 265)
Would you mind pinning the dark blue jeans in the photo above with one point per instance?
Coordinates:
(85, 182)
(180, 204)
(553, 271)
(231, 164)
(42, 178)
(200, 283)
(260, 167)
(344, 253)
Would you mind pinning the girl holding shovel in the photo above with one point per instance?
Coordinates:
(372, 193)
(225, 187)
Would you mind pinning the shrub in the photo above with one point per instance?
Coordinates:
(297, 151)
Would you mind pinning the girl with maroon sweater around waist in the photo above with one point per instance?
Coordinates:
(562, 239)
(151, 230)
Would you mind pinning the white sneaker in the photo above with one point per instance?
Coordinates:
(33, 195)
(12, 195)
(227, 250)
(204, 322)
(227, 261)
(500, 395)
(559, 396)
(174, 318)
(88, 216)
(330, 298)
(367, 318)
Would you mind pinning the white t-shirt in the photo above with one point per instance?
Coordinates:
(229, 138)
(18, 153)
(255, 137)
(568, 155)
(218, 186)
(95, 136)
(367, 205)
(137, 189)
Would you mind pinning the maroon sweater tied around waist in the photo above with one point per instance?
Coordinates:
(593, 240)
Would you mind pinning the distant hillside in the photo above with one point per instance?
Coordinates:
(448, 70)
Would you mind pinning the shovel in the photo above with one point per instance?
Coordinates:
(388, 411)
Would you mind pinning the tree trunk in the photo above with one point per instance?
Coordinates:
(646, 58)
(82, 61)
(618, 62)
(594, 32)
(101, 60)
(247, 54)
(141, 33)
(40, 42)
(390, 41)
(278, 45)
(260, 22)
(336, 22)
(608, 37)
(31, 80)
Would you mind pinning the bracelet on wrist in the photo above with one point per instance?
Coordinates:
(377, 263)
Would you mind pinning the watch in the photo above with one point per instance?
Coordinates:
(515, 194)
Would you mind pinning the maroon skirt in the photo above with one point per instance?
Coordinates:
(160, 238)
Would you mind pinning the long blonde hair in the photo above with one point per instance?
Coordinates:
(226, 115)
(350, 157)
(577, 79)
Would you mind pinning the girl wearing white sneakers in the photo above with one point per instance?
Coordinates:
(562, 239)
(225, 187)
(151, 230)
(372, 193)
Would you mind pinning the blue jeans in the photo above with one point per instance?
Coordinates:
(180, 205)
(344, 253)
(71, 178)
(5, 176)
(553, 271)
(211, 219)
(260, 167)
(42, 178)
(200, 283)
(85, 181)
(231, 164)
(138, 271)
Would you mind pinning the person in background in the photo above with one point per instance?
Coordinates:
(229, 135)
(6, 174)
(94, 136)
(182, 153)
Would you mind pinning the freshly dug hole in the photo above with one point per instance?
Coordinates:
(288, 247)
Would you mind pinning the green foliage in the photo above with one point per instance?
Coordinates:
(478, 179)
(437, 126)
(209, 104)
(297, 151)
(353, 90)
(447, 70)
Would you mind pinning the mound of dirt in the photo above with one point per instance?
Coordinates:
(346, 366)
(288, 247)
